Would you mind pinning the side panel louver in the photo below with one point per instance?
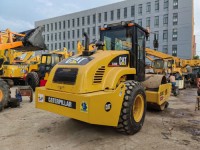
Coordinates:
(99, 74)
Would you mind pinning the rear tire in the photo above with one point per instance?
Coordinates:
(32, 79)
(4, 94)
(132, 117)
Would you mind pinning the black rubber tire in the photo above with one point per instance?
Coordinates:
(176, 92)
(127, 123)
(33, 80)
(5, 89)
(13, 103)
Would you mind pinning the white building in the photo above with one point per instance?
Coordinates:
(172, 20)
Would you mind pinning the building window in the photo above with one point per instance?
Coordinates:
(78, 33)
(51, 26)
(175, 19)
(140, 9)
(88, 31)
(165, 49)
(47, 27)
(60, 25)
(68, 34)
(165, 35)
(73, 34)
(105, 16)
(83, 21)
(59, 45)
(157, 5)
(64, 24)
(99, 28)
(112, 15)
(140, 22)
(68, 45)
(175, 4)
(55, 25)
(99, 17)
(174, 34)
(47, 46)
(51, 46)
(148, 22)
(125, 12)
(157, 35)
(64, 44)
(156, 21)
(165, 19)
(55, 46)
(47, 37)
(64, 35)
(83, 43)
(118, 14)
(94, 31)
(166, 4)
(83, 30)
(88, 20)
(68, 22)
(132, 11)
(73, 22)
(55, 36)
(51, 36)
(44, 28)
(148, 9)
(174, 50)
(94, 18)
(78, 22)
(59, 35)
(73, 45)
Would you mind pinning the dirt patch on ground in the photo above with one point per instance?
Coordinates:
(178, 127)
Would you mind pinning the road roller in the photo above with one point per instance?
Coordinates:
(106, 86)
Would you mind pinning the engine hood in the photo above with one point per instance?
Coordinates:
(83, 74)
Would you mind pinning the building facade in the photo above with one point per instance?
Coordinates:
(171, 20)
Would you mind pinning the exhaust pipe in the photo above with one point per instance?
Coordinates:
(86, 52)
(32, 41)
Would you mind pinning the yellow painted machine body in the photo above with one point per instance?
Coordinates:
(97, 81)
(159, 96)
(14, 71)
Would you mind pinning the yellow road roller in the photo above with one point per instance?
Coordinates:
(106, 86)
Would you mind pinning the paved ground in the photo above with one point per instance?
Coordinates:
(27, 128)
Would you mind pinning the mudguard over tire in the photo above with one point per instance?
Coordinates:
(4, 94)
(33, 80)
(133, 108)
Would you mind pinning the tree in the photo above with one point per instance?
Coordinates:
(196, 57)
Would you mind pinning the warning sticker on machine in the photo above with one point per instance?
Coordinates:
(61, 102)
(40, 98)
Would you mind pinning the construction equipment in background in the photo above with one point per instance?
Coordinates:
(15, 66)
(106, 86)
(165, 63)
(30, 40)
(38, 73)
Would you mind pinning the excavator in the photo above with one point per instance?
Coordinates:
(30, 40)
(106, 85)
(165, 63)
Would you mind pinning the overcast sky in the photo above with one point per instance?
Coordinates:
(20, 15)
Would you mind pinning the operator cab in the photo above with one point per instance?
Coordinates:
(48, 61)
(130, 37)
